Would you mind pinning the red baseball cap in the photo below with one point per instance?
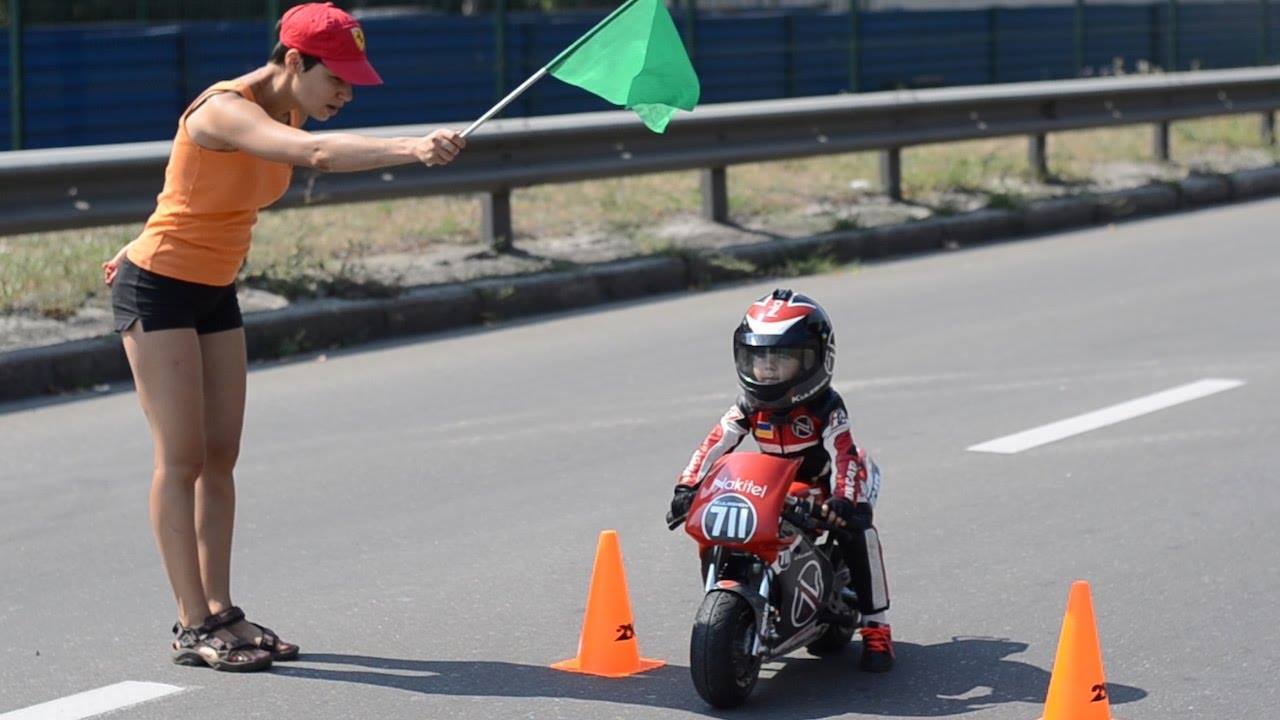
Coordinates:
(326, 32)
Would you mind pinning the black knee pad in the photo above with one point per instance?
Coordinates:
(865, 561)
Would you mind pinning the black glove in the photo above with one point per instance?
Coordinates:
(680, 503)
(855, 517)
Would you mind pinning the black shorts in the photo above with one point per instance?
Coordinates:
(164, 303)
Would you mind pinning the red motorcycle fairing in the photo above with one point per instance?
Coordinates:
(739, 504)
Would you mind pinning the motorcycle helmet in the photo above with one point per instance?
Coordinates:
(784, 349)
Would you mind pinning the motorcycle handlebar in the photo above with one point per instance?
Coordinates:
(805, 515)
(799, 518)
(802, 515)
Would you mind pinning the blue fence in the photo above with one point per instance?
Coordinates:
(125, 82)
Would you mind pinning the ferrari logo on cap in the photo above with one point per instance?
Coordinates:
(358, 34)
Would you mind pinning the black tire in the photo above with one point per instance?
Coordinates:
(720, 660)
(835, 639)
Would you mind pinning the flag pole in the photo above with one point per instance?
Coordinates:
(545, 69)
(506, 101)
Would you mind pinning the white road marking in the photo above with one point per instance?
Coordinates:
(1052, 432)
(94, 702)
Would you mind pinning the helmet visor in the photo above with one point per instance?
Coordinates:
(774, 365)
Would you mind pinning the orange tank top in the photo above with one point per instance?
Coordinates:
(201, 227)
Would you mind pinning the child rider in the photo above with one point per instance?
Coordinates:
(784, 349)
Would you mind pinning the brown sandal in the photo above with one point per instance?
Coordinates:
(280, 650)
(237, 656)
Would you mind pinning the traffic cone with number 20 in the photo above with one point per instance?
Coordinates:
(608, 645)
(1077, 688)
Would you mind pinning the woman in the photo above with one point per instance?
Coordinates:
(174, 298)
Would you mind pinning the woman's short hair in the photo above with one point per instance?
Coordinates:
(278, 53)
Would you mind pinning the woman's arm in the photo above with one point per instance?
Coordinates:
(231, 121)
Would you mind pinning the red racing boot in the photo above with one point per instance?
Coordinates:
(877, 648)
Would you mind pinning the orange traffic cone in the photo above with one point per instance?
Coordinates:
(1077, 688)
(608, 645)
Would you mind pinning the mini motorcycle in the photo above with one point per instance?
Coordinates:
(773, 581)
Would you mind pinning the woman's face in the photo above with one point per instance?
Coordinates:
(320, 93)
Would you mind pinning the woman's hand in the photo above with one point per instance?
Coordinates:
(112, 266)
(439, 148)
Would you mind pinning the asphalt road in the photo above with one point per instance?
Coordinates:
(421, 516)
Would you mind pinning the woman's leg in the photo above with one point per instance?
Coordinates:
(225, 371)
(168, 372)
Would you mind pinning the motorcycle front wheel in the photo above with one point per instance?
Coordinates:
(724, 669)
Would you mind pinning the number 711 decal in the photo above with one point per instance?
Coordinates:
(729, 518)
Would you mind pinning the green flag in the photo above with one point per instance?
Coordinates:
(633, 58)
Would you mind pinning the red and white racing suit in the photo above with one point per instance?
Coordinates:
(818, 433)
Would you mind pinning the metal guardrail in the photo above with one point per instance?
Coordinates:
(86, 186)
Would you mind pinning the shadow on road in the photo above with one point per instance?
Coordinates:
(952, 678)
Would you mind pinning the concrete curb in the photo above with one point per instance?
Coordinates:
(1199, 190)
(1047, 216)
(328, 323)
(1258, 182)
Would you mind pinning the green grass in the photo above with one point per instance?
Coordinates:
(305, 274)
(814, 264)
(53, 274)
(316, 251)
(1005, 201)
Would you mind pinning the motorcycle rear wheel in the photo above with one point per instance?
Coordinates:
(720, 660)
(836, 637)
